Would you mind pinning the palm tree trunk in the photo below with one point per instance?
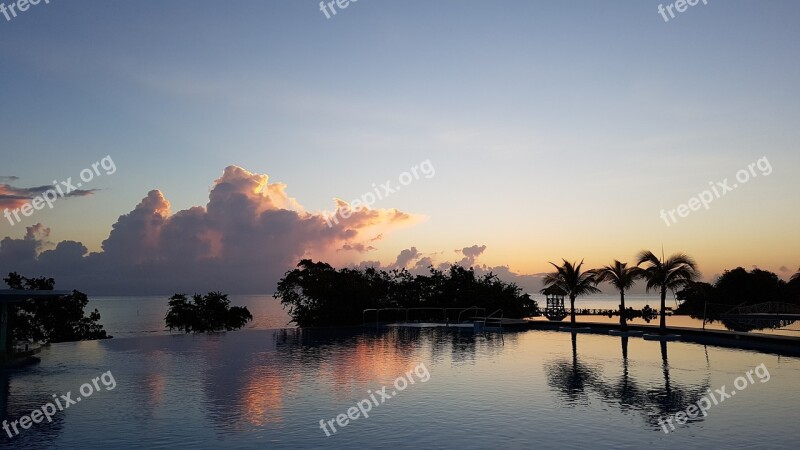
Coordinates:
(622, 322)
(662, 327)
(572, 310)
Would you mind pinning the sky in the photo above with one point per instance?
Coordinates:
(517, 132)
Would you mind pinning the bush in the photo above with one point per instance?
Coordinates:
(205, 313)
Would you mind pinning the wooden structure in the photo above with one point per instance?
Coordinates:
(555, 303)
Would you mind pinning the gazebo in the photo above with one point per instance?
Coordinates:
(555, 303)
(8, 296)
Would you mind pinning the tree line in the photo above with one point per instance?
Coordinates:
(316, 294)
(661, 274)
(737, 287)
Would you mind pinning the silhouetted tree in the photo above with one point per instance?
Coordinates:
(51, 319)
(672, 274)
(694, 298)
(792, 289)
(621, 277)
(571, 280)
(738, 287)
(205, 313)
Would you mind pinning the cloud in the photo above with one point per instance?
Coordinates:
(471, 254)
(423, 263)
(405, 257)
(361, 248)
(360, 217)
(242, 241)
(14, 197)
(8, 178)
(784, 269)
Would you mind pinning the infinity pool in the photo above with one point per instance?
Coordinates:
(271, 389)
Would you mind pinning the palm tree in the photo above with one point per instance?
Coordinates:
(672, 273)
(621, 277)
(574, 282)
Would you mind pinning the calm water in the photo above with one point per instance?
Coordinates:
(270, 388)
(138, 316)
(131, 315)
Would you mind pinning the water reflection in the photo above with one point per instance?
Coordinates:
(345, 361)
(575, 381)
(272, 387)
(262, 395)
(19, 395)
(756, 324)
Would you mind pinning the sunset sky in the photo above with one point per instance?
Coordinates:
(556, 131)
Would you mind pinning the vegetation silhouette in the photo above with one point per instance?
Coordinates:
(316, 294)
(673, 273)
(739, 288)
(51, 319)
(205, 313)
(621, 277)
(571, 280)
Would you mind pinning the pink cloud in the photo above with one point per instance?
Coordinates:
(242, 241)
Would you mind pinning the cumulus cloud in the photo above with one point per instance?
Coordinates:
(363, 217)
(423, 263)
(405, 257)
(471, 254)
(242, 241)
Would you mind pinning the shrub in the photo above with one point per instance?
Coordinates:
(205, 313)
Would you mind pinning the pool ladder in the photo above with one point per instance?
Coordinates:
(490, 320)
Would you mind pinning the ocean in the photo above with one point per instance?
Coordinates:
(123, 316)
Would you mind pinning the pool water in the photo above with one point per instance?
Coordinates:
(271, 389)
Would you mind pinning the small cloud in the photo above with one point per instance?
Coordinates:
(37, 232)
(82, 192)
(358, 247)
(470, 255)
(784, 269)
(405, 257)
(13, 197)
(424, 263)
(8, 178)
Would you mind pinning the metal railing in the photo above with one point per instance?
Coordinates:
(765, 308)
(475, 308)
(498, 320)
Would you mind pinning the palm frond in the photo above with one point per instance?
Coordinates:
(618, 275)
(670, 273)
(569, 277)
